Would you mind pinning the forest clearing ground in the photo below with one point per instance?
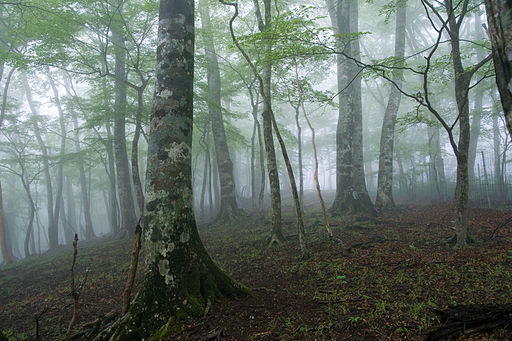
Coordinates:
(400, 269)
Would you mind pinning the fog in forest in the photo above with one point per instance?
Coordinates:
(358, 108)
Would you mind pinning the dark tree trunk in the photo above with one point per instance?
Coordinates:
(139, 194)
(128, 218)
(462, 79)
(384, 198)
(60, 169)
(499, 18)
(181, 279)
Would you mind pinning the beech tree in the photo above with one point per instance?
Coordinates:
(499, 17)
(181, 279)
(384, 198)
(351, 193)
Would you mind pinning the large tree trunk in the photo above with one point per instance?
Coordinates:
(351, 194)
(128, 218)
(53, 231)
(181, 279)
(499, 18)
(228, 207)
(384, 198)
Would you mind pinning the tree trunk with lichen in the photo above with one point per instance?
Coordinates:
(384, 199)
(499, 18)
(228, 207)
(181, 279)
(351, 193)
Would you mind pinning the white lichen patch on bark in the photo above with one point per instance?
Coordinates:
(184, 237)
(178, 151)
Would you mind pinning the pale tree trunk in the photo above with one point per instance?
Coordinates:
(499, 18)
(53, 231)
(60, 169)
(181, 280)
(89, 230)
(477, 108)
(228, 207)
(128, 218)
(351, 194)
(436, 162)
(384, 199)
(299, 145)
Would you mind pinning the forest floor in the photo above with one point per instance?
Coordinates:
(400, 270)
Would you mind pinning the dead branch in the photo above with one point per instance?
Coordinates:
(505, 223)
(133, 268)
(75, 292)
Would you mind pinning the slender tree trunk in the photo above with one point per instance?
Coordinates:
(128, 218)
(71, 209)
(180, 279)
(299, 145)
(497, 159)
(384, 198)
(228, 207)
(139, 194)
(53, 231)
(276, 235)
(461, 97)
(500, 34)
(114, 205)
(477, 108)
(63, 138)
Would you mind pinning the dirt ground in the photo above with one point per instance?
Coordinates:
(400, 270)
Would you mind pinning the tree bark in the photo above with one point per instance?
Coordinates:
(181, 279)
(228, 207)
(351, 194)
(499, 18)
(384, 199)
